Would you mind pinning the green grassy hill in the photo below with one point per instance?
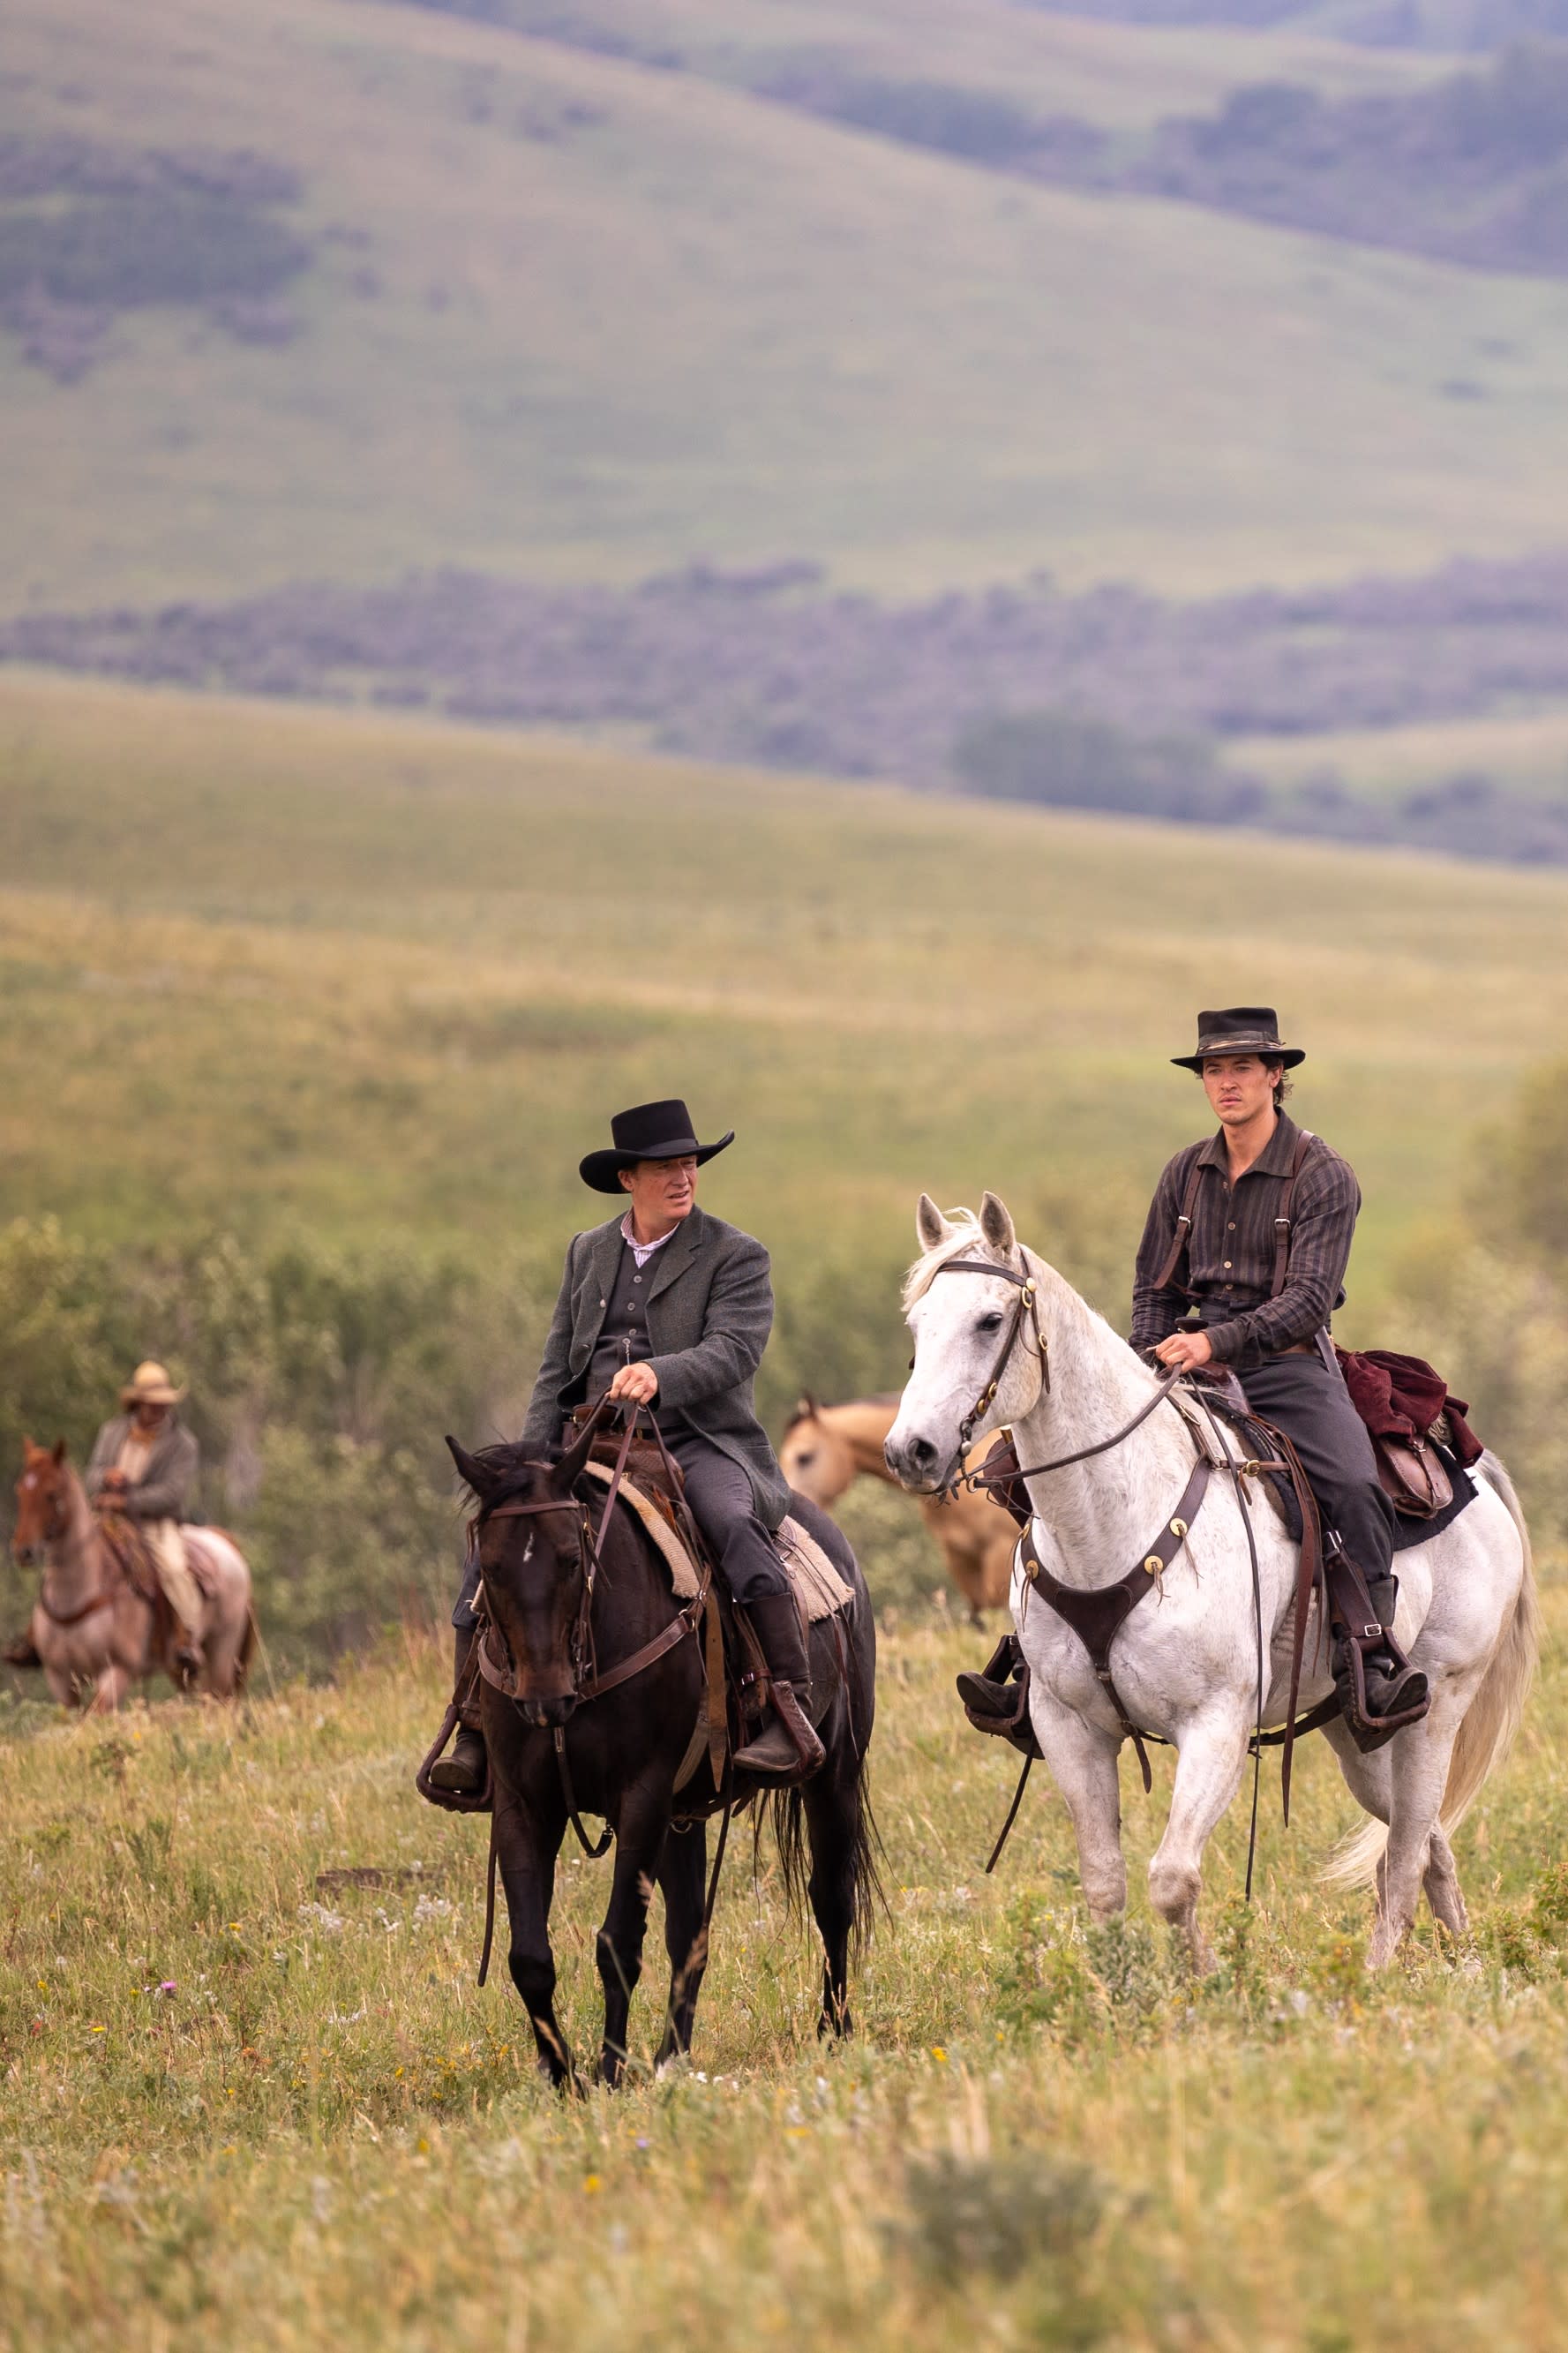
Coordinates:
(569, 312)
(306, 1018)
(378, 976)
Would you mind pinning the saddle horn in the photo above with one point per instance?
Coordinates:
(565, 1473)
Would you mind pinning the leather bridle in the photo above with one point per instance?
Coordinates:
(519, 1684)
(1028, 1307)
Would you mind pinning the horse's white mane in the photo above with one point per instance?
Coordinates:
(966, 1237)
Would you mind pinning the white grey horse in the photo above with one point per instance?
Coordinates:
(1185, 1663)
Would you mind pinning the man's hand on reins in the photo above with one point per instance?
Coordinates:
(1186, 1351)
(634, 1385)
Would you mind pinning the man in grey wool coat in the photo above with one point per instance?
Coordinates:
(668, 1307)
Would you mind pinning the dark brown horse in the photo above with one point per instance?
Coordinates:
(622, 1751)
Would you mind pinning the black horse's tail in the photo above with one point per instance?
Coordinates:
(786, 1808)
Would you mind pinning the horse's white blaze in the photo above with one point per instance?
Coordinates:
(1186, 1662)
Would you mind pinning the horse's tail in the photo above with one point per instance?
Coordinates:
(246, 1649)
(1491, 1720)
(867, 1895)
(862, 1864)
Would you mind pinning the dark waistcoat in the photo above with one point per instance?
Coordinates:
(623, 1337)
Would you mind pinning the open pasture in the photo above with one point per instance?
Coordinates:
(357, 976)
(246, 2099)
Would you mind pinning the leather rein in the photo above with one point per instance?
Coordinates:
(102, 1597)
(1028, 1304)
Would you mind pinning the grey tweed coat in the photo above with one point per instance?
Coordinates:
(709, 1312)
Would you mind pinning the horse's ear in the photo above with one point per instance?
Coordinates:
(805, 1410)
(995, 1224)
(931, 1227)
(58, 1452)
(470, 1470)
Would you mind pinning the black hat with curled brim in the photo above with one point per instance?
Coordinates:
(1240, 1029)
(655, 1131)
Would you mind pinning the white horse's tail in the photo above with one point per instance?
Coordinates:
(1492, 1719)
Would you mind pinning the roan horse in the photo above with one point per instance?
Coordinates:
(571, 1601)
(827, 1446)
(1186, 1663)
(92, 1628)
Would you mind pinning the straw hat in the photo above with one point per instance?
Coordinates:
(150, 1385)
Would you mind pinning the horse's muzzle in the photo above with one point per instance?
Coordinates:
(548, 1715)
(916, 1463)
(28, 1556)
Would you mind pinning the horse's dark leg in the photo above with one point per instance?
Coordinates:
(683, 1878)
(527, 1875)
(832, 1800)
(639, 1853)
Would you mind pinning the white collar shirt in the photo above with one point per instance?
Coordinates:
(642, 1251)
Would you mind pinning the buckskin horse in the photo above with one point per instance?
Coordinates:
(1001, 1338)
(96, 1626)
(607, 1696)
(825, 1447)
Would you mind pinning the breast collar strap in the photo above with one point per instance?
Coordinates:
(1097, 1615)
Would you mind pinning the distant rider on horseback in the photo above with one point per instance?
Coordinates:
(668, 1307)
(1241, 1265)
(144, 1466)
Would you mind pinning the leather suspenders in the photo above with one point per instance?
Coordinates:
(1282, 1221)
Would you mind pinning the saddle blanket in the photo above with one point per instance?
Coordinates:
(819, 1588)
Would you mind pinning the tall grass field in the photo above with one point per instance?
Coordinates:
(248, 2104)
(308, 1016)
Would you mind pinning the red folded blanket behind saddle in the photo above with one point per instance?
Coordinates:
(1402, 1396)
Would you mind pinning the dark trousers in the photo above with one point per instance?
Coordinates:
(1313, 1406)
(719, 1496)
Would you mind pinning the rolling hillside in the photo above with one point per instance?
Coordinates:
(408, 1029)
(306, 1018)
(569, 313)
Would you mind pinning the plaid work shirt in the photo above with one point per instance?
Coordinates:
(1228, 1268)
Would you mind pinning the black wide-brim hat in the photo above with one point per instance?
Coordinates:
(655, 1131)
(1240, 1029)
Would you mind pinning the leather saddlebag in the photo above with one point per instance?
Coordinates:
(1413, 1477)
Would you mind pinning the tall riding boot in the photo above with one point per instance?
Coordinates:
(1393, 1694)
(786, 1748)
(1393, 1685)
(465, 1771)
(997, 1698)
